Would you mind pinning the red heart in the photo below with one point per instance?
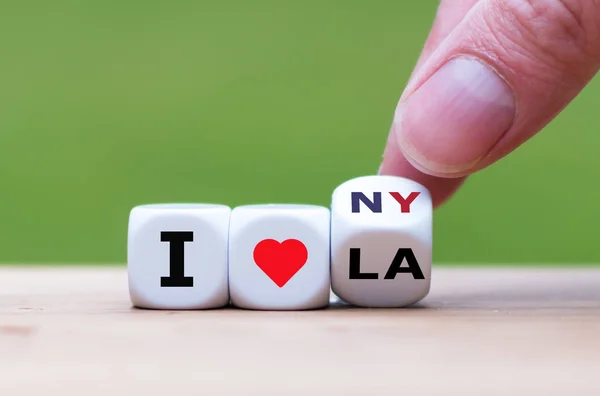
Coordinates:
(280, 261)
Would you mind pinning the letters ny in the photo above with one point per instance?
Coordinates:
(375, 205)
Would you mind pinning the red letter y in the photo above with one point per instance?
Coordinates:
(405, 203)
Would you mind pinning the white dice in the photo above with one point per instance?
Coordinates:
(279, 257)
(373, 249)
(381, 241)
(177, 256)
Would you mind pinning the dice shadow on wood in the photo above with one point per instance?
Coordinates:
(337, 303)
(334, 304)
(141, 309)
(228, 307)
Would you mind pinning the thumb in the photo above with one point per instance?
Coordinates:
(500, 76)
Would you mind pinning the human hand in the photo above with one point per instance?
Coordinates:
(491, 75)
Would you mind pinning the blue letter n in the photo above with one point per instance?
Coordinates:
(358, 197)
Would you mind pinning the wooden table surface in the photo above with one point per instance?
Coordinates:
(486, 331)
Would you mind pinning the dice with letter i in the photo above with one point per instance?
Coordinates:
(381, 234)
(177, 256)
(279, 257)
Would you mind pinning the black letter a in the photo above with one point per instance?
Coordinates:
(413, 265)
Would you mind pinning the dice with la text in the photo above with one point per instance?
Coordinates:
(381, 235)
(372, 248)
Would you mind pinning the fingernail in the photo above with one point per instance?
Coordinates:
(453, 120)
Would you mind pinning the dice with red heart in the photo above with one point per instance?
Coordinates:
(279, 257)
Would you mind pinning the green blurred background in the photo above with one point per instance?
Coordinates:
(105, 105)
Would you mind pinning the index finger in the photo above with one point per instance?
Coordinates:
(450, 13)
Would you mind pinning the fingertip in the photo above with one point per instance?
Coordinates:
(395, 164)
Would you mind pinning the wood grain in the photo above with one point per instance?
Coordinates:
(485, 331)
